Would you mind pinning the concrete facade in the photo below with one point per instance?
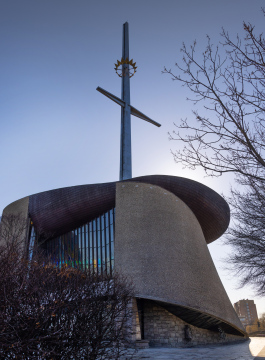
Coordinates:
(160, 246)
(15, 223)
(162, 227)
(19, 207)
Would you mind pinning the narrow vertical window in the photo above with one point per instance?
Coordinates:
(32, 240)
(99, 246)
(91, 246)
(107, 233)
(112, 238)
(94, 246)
(102, 219)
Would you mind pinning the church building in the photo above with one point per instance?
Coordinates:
(154, 229)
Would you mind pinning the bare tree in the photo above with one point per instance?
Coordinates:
(262, 321)
(247, 235)
(232, 138)
(47, 312)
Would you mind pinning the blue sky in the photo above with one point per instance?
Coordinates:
(57, 130)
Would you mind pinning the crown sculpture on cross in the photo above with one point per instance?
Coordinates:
(126, 69)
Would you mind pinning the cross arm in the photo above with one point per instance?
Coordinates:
(111, 96)
(142, 116)
(134, 111)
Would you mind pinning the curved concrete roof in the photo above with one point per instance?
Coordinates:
(58, 211)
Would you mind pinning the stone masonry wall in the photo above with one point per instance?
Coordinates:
(162, 328)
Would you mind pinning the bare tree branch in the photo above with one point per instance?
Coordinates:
(47, 312)
(232, 139)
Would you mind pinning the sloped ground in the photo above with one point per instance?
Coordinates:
(253, 349)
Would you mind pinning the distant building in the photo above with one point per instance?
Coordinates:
(246, 311)
(243, 319)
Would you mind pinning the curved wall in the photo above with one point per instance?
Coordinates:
(16, 215)
(162, 226)
(58, 211)
(211, 210)
(160, 245)
(18, 207)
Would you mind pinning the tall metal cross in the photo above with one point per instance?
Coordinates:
(126, 69)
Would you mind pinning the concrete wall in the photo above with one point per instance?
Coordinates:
(14, 223)
(18, 207)
(159, 244)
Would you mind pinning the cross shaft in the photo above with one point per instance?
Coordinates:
(126, 110)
